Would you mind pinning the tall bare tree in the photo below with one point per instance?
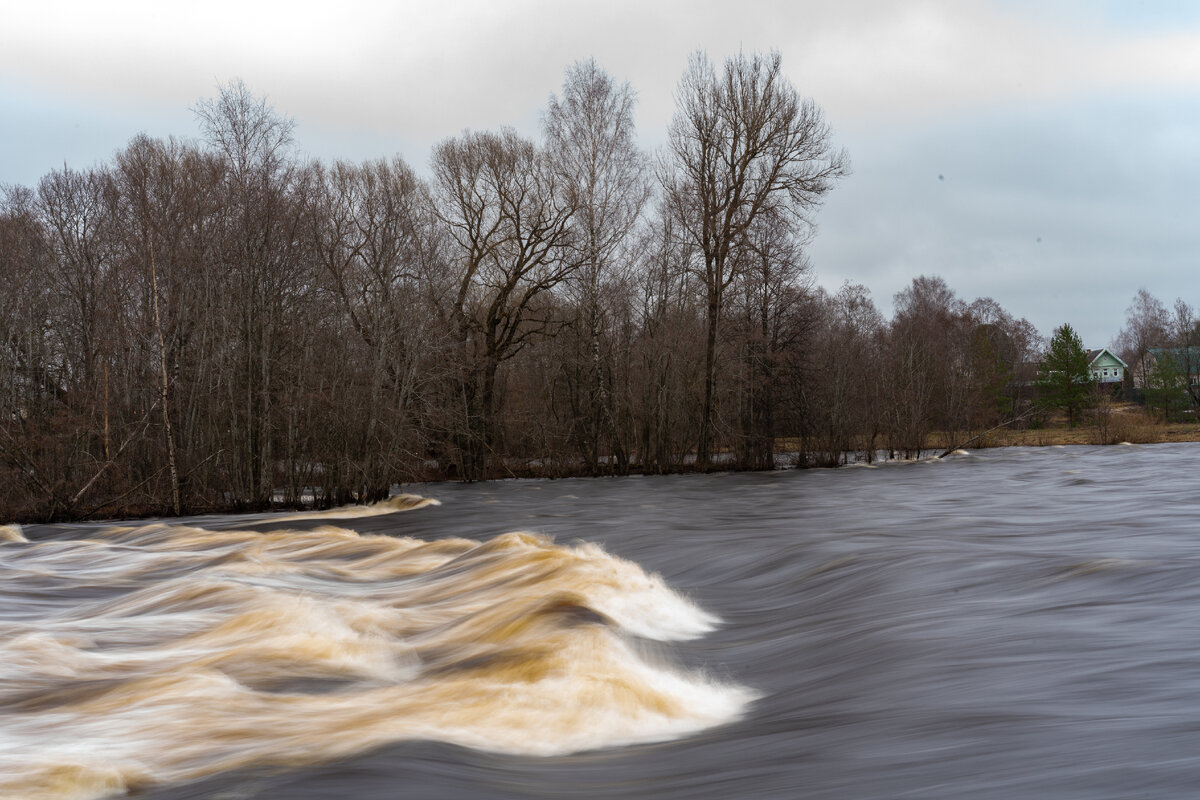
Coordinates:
(591, 142)
(1185, 338)
(27, 374)
(370, 233)
(263, 267)
(926, 369)
(741, 144)
(1147, 324)
(667, 351)
(79, 209)
(507, 215)
(773, 299)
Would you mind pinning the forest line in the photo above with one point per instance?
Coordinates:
(219, 324)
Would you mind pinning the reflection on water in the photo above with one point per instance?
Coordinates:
(1016, 623)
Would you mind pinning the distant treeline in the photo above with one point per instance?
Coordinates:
(220, 324)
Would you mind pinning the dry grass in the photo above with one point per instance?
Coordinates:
(1126, 422)
(1135, 433)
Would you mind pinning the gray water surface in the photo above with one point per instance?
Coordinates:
(1007, 623)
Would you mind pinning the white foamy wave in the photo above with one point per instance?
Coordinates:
(399, 502)
(644, 605)
(174, 653)
(12, 533)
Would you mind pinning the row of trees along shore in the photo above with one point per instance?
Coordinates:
(219, 324)
(1162, 348)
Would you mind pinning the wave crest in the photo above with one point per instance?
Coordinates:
(211, 650)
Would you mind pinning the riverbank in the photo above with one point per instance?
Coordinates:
(1124, 423)
(1133, 434)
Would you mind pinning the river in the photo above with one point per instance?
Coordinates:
(1005, 623)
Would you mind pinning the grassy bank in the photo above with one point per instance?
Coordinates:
(1121, 423)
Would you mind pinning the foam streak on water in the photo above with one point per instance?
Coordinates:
(158, 653)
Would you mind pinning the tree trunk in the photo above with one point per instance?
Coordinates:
(163, 390)
(704, 445)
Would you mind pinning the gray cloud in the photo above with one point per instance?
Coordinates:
(1069, 122)
(1058, 211)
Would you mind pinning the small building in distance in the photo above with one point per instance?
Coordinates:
(1105, 366)
(1105, 369)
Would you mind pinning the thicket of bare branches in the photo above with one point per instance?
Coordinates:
(218, 324)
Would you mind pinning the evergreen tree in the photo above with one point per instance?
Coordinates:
(1063, 378)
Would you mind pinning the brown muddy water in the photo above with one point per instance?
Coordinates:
(999, 624)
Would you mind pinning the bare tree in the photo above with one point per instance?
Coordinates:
(927, 365)
(27, 374)
(79, 209)
(741, 144)
(1185, 338)
(264, 266)
(156, 195)
(32, 386)
(1146, 325)
(838, 378)
(667, 353)
(370, 235)
(774, 298)
(591, 141)
(508, 218)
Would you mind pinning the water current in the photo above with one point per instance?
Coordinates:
(997, 624)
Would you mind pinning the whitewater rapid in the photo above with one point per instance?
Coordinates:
(141, 655)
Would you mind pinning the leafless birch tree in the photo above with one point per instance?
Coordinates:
(592, 145)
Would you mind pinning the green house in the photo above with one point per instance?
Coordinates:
(1106, 367)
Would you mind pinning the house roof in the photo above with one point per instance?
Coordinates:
(1094, 355)
(1186, 358)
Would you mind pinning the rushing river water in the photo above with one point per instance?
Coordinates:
(1000, 624)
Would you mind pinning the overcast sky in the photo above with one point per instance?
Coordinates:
(1045, 154)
